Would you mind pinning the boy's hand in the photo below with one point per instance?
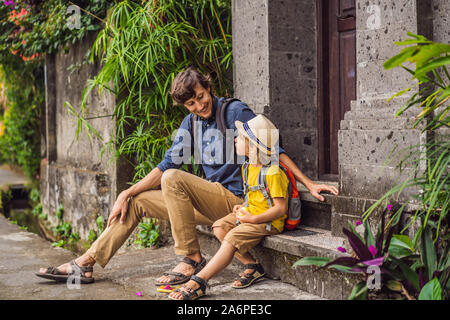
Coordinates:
(237, 207)
(244, 216)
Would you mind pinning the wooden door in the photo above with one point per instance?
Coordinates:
(336, 77)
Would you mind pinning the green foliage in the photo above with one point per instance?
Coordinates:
(142, 48)
(63, 231)
(25, 39)
(415, 268)
(431, 291)
(5, 198)
(100, 224)
(148, 235)
(92, 236)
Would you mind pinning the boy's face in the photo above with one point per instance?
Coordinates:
(242, 145)
(201, 104)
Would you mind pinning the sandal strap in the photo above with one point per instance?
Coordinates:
(53, 270)
(198, 266)
(190, 262)
(79, 269)
(202, 282)
(188, 293)
(175, 275)
(255, 266)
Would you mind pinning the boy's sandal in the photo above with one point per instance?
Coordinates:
(178, 277)
(77, 274)
(247, 279)
(191, 294)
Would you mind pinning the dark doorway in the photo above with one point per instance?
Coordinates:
(336, 26)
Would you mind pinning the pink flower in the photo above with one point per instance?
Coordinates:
(373, 250)
(389, 207)
(139, 294)
(341, 249)
(358, 223)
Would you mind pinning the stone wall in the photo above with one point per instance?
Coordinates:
(275, 56)
(274, 52)
(74, 175)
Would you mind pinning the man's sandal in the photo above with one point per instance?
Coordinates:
(178, 277)
(191, 294)
(77, 274)
(247, 279)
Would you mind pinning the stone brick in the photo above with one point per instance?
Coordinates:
(374, 147)
(364, 181)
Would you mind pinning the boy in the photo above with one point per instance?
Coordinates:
(246, 226)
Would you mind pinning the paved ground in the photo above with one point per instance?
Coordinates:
(22, 254)
(8, 177)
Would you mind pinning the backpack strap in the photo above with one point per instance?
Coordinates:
(246, 186)
(197, 151)
(264, 187)
(220, 114)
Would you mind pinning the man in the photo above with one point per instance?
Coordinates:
(184, 199)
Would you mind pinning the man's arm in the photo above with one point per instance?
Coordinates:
(153, 179)
(313, 188)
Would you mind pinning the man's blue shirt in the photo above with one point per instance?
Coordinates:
(228, 173)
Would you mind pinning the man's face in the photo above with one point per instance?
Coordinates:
(201, 104)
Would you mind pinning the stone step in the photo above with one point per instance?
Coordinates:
(279, 252)
(315, 213)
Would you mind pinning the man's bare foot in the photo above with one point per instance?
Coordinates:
(183, 268)
(82, 261)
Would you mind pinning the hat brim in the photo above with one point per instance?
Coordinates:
(240, 127)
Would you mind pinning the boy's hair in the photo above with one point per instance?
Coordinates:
(183, 85)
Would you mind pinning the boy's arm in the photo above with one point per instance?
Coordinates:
(277, 211)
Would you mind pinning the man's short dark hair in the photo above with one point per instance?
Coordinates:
(183, 85)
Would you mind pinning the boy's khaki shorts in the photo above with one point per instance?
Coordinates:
(245, 235)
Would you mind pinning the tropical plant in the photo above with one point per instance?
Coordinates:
(148, 235)
(142, 48)
(413, 268)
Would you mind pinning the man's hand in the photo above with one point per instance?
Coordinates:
(244, 216)
(315, 189)
(120, 208)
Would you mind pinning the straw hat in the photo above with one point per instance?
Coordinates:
(261, 132)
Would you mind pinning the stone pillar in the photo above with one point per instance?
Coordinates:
(370, 132)
(274, 52)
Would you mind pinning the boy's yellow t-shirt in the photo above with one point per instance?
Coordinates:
(278, 188)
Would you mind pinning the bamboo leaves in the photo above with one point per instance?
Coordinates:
(142, 48)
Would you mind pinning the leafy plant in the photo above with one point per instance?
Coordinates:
(413, 268)
(143, 47)
(100, 224)
(148, 235)
(64, 231)
(92, 236)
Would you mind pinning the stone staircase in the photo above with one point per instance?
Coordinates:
(320, 234)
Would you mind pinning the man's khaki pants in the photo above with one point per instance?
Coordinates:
(184, 199)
